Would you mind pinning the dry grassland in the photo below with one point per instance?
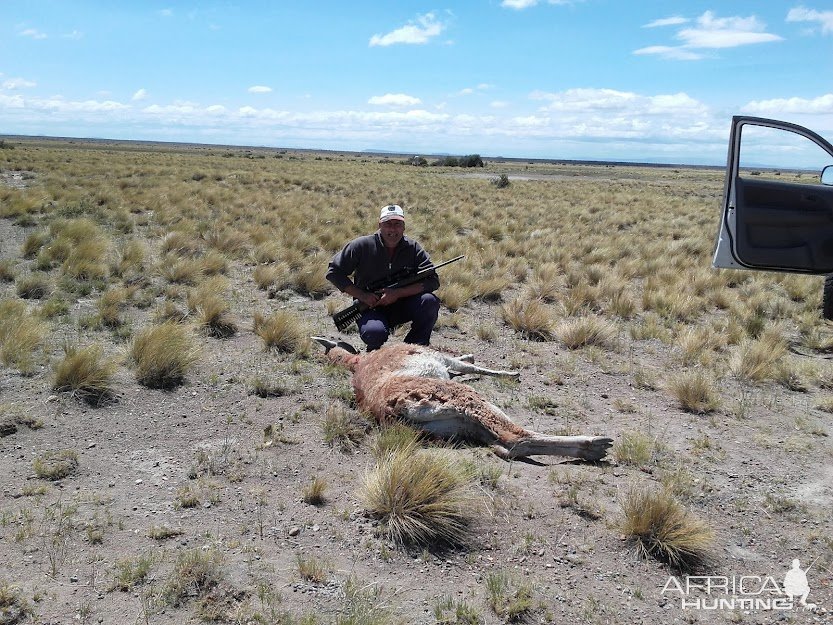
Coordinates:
(173, 449)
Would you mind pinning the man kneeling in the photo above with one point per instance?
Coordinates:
(375, 258)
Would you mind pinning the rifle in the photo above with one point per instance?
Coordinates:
(344, 318)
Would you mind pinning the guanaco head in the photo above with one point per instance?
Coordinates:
(339, 352)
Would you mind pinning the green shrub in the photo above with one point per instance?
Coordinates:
(501, 182)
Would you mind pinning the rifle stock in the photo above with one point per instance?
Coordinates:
(343, 318)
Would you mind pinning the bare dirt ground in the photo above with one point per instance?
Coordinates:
(764, 482)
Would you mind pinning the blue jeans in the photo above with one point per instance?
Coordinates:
(376, 324)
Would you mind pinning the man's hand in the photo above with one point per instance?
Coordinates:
(389, 296)
(371, 300)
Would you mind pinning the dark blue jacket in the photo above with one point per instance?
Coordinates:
(366, 259)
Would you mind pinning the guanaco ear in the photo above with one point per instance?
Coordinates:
(327, 344)
(347, 347)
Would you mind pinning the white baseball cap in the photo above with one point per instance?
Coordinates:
(391, 211)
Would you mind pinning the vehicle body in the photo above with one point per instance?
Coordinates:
(777, 218)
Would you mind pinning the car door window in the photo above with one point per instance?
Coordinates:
(771, 153)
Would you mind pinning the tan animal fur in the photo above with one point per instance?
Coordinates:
(411, 382)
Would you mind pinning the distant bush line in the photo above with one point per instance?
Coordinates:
(471, 160)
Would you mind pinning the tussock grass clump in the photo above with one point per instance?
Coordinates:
(451, 611)
(267, 252)
(36, 285)
(13, 605)
(131, 259)
(212, 314)
(421, 497)
(86, 260)
(636, 449)
(283, 332)
(343, 427)
(491, 289)
(529, 318)
(162, 355)
(623, 305)
(227, 240)
(163, 532)
(695, 391)
(265, 388)
(454, 296)
(697, 343)
(170, 312)
(33, 244)
(394, 437)
(310, 280)
(313, 493)
(195, 574)
(660, 527)
(111, 304)
(85, 373)
(213, 264)
(20, 335)
(363, 605)
(7, 271)
(181, 244)
(179, 270)
(130, 572)
(312, 569)
(755, 359)
(580, 332)
(55, 464)
(272, 277)
(508, 599)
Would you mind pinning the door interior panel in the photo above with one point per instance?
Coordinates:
(788, 225)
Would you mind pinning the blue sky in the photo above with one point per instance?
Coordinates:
(591, 79)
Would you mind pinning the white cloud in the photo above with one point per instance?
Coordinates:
(62, 105)
(779, 106)
(610, 113)
(594, 122)
(260, 89)
(420, 31)
(166, 12)
(803, 14)
(483, 86)
(667, 21)
(33, 33)
(18, 83)
(499, 104)
(519, 5)
(75, 35)
(725, 32)
(670, 52)
(12, 101)
(394, 99)
(141, 94)
(711, 33)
